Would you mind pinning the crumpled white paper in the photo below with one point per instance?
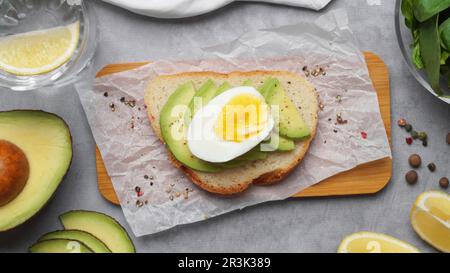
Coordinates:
(132, 152)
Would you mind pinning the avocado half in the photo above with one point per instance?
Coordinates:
(45, 140)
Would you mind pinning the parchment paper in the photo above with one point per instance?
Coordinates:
(134, 157)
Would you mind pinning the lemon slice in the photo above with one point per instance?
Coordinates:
(38, 52)
(370, 242)
(430, 218)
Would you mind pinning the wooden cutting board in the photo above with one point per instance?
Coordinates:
(364, 179)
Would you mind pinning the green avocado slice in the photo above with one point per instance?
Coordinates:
(248, 83)
(60, 246)
(87, 239)
(203, 96)
(173, 129)
(252, 155)
(268, 86)
(46, 142)
(278, 143)
(224, 87)
(291, 123)
(100, 225)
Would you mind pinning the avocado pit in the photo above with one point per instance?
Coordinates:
(14, 171)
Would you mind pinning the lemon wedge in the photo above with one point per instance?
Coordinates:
(370, 242)
(38, 52)
(430, 218)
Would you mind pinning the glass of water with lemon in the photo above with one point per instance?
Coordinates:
(44, 42)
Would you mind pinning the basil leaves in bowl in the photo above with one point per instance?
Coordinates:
(423, 33)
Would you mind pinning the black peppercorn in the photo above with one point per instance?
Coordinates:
(443, 182)
(415, 161)
(408, 127)
(432, 167)
(411, 177)
(423, 136)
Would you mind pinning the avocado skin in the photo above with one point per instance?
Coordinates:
(41, 112)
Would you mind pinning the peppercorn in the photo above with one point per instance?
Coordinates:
(423, 136)
(415, 161)
(122, 99)
(414, 134)
(425, 143)
(105, 94)
(408, 127)
(432, 167)
(401, 122)
(411, 177)
(443, 182)
(409, 140)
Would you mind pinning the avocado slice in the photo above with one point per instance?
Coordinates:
(284, 144)
(60, 246)
(268, 86)
(46, 142)
(87, 239)
(100, 225)
(248, 83)
(203, 96)
(222, 88)
(172, 124)
(252, 155)
(291, 123)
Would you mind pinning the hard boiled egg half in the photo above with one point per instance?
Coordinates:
(230, 125)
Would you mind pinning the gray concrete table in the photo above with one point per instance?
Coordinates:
(306, 225)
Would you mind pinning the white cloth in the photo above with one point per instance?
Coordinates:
(188, 8)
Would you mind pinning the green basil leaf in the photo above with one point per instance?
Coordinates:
(444, 30)
(426, 9)
(416, 57)
(408, 12)
(430, 50)
(444, 57)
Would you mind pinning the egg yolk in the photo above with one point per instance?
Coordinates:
(242, 118)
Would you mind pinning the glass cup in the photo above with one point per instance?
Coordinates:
(25, 16)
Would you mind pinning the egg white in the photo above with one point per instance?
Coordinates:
(202, 139)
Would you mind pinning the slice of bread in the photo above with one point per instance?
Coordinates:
(263, 172)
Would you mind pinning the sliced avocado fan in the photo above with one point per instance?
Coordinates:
(101, 226)
(291, 123)
(173, 123)
(84, 237)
